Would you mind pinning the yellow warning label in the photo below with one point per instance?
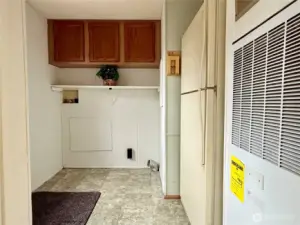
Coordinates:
(237, 177)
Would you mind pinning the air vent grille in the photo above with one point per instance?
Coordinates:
(236, 111)
(246, 96)
(290, 136)
(273, 94)
(266, 96)
(258, 95)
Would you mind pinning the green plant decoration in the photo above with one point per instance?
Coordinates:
(108, 72)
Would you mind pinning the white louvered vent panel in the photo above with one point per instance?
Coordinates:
(273, 93)
(290, 138)
(246, 96)
(236, 111)
(258, 95)
(266, 96)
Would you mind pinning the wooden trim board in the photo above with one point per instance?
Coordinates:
(172, 197)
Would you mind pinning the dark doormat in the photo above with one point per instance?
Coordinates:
(66, 208)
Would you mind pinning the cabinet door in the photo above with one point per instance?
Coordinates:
(68, 41)
(104, 41)
(140, 43)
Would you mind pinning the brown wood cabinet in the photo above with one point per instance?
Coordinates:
(104, 41)
(78, 43)
(68, 41)
(139, 41)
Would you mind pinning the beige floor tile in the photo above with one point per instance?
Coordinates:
(128, 196)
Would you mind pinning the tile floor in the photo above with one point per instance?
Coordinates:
(128, 197)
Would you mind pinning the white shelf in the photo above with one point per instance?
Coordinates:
(77, 87)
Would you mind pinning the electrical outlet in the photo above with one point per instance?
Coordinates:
(129, 153)
(255, 179)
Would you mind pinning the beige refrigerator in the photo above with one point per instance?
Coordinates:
(198, 125)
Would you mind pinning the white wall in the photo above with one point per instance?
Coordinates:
(179, 15)
(163, 78)
(128, 77)
(278, 203)
(98, 131)
(44, 105)
(15, 163)
(123, 119)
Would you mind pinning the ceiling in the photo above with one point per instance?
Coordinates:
(99, 9)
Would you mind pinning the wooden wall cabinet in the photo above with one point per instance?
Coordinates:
(134, 44)
(139, 41)
(104, 41)
(68, 41)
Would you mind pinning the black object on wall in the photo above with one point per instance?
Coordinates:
(129, 153)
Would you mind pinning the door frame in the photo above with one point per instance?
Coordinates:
(15, 189)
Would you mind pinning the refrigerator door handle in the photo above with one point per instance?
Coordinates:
(189, 92)
(214, 88)
(209, 88)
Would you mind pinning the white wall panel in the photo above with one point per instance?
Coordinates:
(163, 117)
(111, 120)
(44, 105)
(90, 134)
(15, 162)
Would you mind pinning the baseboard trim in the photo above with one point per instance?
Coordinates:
(105, 167)
(172, 197)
